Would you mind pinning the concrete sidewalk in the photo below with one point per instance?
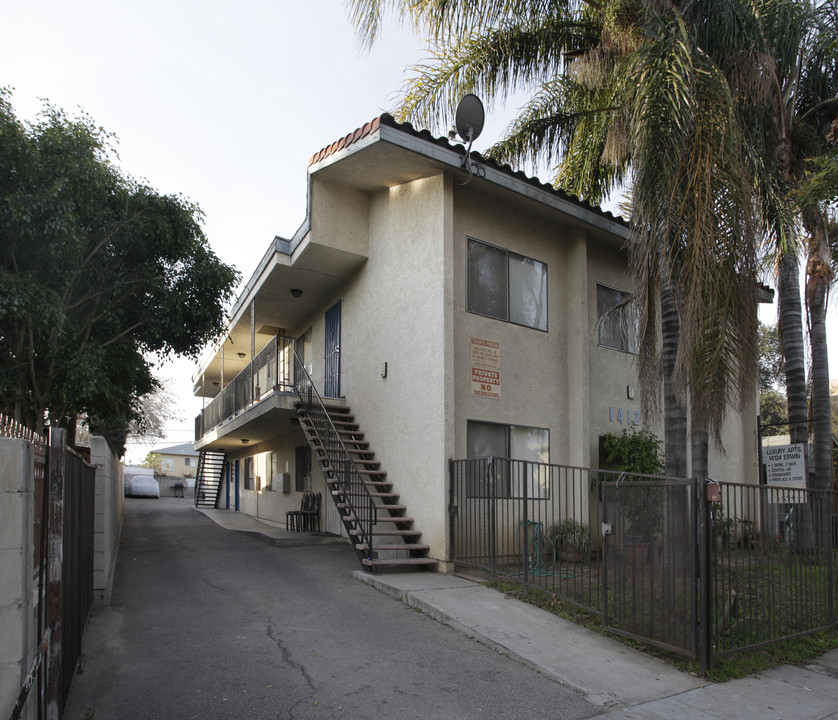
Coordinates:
(624, 682)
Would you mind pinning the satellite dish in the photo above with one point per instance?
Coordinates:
(470, 118)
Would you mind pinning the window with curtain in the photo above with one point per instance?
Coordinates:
(506, 286)
(618, 320)
(512, 443)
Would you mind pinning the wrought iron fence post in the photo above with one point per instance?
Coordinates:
(55, 561)
(830, 559)
(605, 524)
(526, 521)
(490, 498)
(705, 565)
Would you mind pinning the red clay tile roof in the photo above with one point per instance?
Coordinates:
(388, 120)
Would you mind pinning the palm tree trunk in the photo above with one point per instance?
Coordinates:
(675, 414)
(675, 523)
(791, 336)
(819, 276)
(699, 452)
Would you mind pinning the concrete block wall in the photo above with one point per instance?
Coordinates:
(108, 517)
(17, 622)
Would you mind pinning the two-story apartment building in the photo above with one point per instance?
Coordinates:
(453, 307)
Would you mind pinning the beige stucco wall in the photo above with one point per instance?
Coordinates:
(272, 504)
(108, 516)
(405, 307)
(542, 382)
(174, 466)
(395, 312)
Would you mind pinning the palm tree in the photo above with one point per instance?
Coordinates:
(623, 94)
(799, 64)
(698, 106)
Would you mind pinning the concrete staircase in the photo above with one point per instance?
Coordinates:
(382, 533)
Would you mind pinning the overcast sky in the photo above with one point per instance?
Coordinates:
(221, 102)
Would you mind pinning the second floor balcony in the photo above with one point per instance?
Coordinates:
(254, 404)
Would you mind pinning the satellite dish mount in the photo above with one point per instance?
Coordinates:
(469, 121)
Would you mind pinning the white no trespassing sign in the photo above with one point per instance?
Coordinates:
(785, 466)
(485, 368)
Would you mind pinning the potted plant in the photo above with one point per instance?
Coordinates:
(572, 539)
(723, 527)
(635, 454)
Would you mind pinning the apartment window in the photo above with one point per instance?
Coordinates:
(618, 319)
(249, 473)
(271, 470)
(506, 286)
(189, 462)
(512, 443)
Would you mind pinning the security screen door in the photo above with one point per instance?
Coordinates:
(331, 385)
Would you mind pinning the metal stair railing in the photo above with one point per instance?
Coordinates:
(209, 462)
(349, 478)
(199, 477)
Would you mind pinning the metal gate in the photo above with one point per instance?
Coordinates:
(650, 573)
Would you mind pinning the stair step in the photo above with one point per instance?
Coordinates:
(396, 563)
(382, 519)
(394, 546)
(380, 495)
(356, 445)
(393, 532)
(366, 483)
(361, 471)
(347, 424)
(396, 508)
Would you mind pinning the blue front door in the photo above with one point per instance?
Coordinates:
(331, 384)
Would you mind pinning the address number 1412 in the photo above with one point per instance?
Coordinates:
(630, 417)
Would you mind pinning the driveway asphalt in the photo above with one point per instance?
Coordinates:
(602, 676)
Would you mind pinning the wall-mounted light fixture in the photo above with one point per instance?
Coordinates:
(245, 441)
(296, 292)
(241, 355)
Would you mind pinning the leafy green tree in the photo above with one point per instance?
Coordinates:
(773, 412)
(96, 272)
(154, 461)
(772, 397)
(771, 365)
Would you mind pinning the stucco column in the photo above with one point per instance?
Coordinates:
(448, 344)
(577, 319)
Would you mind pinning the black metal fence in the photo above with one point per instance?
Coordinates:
(653, 556)
(77, 572)
(773, 564)
(529, 521)
(650, 561)
(63, 539)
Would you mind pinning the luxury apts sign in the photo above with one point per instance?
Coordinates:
(785, 466)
